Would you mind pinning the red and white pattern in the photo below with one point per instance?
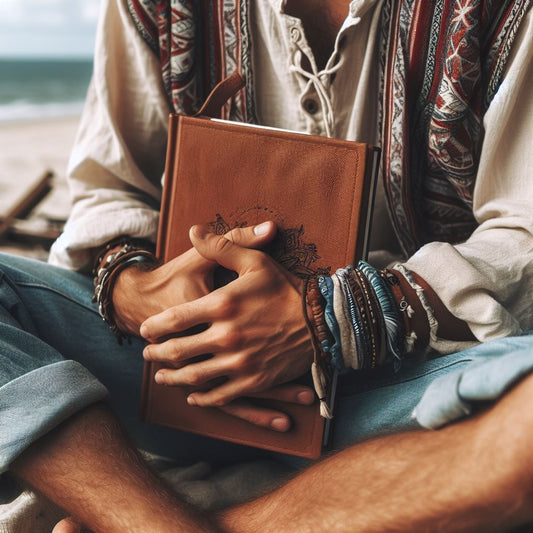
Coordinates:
(432, 127)
(441, 64)
(194, 57)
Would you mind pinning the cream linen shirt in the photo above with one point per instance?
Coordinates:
(116, 165)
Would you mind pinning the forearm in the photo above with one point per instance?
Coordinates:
(486, 282)
(415, 481)
(423, 313)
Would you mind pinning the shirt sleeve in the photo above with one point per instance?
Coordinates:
(487, 281)
(117, 162)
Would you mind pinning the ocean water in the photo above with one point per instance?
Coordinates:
(42, 88)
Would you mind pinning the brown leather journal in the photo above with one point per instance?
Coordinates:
(320, 193)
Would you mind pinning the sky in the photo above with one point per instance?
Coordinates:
(47, 28)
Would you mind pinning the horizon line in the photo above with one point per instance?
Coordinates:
(46, 57)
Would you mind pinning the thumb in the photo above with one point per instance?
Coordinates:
(253, 236)
(222, 250)
(67, 525)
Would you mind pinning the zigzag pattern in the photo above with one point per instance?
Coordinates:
(431, 118)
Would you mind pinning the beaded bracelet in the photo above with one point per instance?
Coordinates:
(115, 245)
(106, 275)
(316, 325)
(313, 297)
(406, 311)
(369, 308)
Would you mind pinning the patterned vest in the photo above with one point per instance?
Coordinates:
(440, 65)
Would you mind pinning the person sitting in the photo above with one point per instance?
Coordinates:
(443, 89)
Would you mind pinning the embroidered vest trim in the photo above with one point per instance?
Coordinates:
(440, 65)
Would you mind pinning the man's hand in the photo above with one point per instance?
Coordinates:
(139, 294)
(256, 328)
(270, 418)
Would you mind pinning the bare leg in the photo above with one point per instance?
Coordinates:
(472, 476)
(89, 468)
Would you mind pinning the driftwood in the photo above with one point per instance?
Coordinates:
(26, 201)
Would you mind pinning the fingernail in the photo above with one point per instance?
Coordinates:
(279, 424)
(261, 229)
(191, 400)
(305, 397)
(159, 378)
(143, 330)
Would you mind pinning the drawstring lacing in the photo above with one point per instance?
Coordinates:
(319, 80)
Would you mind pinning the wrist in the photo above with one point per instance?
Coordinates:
(114, 260)
(131, 296)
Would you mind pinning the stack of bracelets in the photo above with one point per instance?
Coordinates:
(112, 260)
(358, 318)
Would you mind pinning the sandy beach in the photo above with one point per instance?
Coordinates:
(27, 150)
(30, 148)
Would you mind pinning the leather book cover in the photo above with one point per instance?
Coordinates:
(320, 193)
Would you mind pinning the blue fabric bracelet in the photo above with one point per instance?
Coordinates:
(389, 308)
(363, 347)
(325, 284)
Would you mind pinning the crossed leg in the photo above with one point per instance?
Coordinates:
(476, 475)
(472, 476)
(88, 466)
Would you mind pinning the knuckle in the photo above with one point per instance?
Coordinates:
(219, 401)
(262, 260)
(175, 315)
(259, 382)
(225, 305)
(195, 377)
(174, 352)
(163, 378)
(221, 244)
(231, 339)
(146, 329)
(244, 364)
(235, 235)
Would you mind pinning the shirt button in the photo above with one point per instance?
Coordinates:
(295, 33)
(310, 105)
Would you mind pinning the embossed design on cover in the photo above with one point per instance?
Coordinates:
(288, 248)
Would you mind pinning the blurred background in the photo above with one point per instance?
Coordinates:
(46, 49)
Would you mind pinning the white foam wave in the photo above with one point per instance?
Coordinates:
(23, 110)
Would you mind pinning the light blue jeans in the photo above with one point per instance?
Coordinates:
(57, 357)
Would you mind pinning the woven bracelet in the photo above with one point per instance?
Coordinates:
(320, 370)
(106, 276)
